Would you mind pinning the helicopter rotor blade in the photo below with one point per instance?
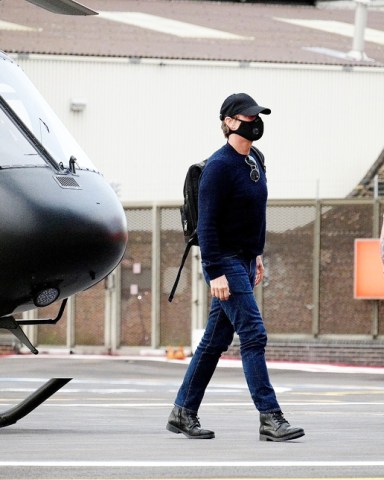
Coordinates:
(66, 7)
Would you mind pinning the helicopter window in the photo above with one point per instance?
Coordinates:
(14, 147)
(31, 108)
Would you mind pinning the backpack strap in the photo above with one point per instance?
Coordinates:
(184, 258)
(260, 156)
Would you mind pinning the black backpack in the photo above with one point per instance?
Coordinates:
(189, 210)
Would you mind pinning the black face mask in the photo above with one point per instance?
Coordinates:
(252, 131)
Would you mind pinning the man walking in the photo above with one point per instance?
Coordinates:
(231, 233)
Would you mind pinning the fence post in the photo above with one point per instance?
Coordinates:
(316, 270)
(155, 281)
(112, 316)
(199, 292)
(31, 331)
(71, 314)
(199, 295)
(375, 234)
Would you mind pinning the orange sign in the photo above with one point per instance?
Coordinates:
(368, 275)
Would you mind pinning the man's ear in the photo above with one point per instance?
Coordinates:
(230, 122)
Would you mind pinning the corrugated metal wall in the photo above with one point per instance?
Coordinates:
(146, 121)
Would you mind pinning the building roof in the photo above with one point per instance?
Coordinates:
(261, 32)
(374, 178)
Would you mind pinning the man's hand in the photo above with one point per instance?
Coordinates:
(220, 288)
(259, 270)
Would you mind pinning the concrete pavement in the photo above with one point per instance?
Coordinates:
(109, 422)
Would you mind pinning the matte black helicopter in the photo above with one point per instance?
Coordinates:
(62, 227)
(66, 7)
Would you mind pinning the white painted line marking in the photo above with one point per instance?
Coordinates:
(63, 404)
(168, 26)
(15, 26)
(178, 464)
(340, 28)
(223, 363)
(318, 367)
(327, 51)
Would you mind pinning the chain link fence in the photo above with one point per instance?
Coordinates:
(307, 289)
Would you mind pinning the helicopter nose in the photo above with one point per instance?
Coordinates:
(56, 241)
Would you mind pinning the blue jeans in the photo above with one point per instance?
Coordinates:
(239, 314)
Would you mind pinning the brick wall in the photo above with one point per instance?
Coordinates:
(364, 353)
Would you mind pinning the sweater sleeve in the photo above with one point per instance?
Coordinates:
(214, 190)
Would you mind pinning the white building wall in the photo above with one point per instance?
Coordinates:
(146, 122)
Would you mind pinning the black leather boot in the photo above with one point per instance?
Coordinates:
(275, 428)
(182, 420)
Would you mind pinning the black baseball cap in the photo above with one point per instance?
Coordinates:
(243, 104)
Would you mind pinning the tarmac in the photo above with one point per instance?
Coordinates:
(109, 421)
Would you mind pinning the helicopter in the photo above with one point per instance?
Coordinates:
(62, 227)
(65, 7)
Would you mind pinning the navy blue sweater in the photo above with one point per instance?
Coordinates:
(232, 209)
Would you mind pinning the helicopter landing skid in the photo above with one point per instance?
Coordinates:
(9, 323)
(11, 416)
